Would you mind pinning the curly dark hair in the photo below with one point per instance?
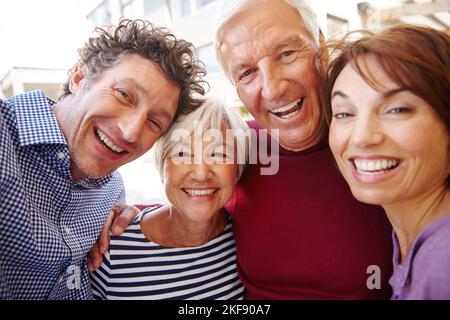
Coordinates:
(175, 57)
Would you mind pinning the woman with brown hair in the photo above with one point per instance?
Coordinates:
(387, 100)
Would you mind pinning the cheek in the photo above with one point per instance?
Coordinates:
(335, 140)
(148, 139)
(412, 140)
(249, 96)
(304, 73)
(228, 177)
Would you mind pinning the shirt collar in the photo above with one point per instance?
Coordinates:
(36, 122)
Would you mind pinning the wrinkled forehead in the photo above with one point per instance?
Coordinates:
(258, 31)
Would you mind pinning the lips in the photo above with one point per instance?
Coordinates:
(108, 143)
(200, 192)
(290, 110)
(374, 170)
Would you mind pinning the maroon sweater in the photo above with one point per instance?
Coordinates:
(300, 234)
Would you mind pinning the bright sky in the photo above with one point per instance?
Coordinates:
(41, 33)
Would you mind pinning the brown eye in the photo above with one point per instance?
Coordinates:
(123, 94)
(399, 110)
(246, 74)
(156, 124)
(288, 56)
(341, 115)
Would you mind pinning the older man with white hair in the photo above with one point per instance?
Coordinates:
(299, 233)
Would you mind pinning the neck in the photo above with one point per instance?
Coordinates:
(61, 109)
(188, 233)
(296, 146)
(409, 218)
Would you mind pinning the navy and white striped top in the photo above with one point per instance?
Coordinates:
(136, 268)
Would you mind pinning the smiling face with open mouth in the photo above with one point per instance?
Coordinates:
(198, 191)
(118, 117)
(389, 144)
(268, 55)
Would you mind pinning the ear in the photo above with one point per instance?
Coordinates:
(77, 77)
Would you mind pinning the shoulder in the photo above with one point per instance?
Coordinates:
(6, 117)
(431, 268)
(435, 246)
(117, 180)
(225, 237)
(8, 145)
(134, 235)
(436, 241)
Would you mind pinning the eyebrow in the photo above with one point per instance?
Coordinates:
(385, 95)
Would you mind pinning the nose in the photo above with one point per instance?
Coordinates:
(273, 83)
(201, 172)
(131, 125)
(367, 131)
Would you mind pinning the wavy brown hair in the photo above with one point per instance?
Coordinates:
(414, 57)
(175, 57)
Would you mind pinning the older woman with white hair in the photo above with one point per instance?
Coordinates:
(184, 249)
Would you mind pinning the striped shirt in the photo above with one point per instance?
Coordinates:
(48, 221)
(136, 268)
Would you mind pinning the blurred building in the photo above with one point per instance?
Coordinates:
(39, 44)
(193, 20)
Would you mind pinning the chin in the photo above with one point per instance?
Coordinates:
(370, 196)
(96, 173)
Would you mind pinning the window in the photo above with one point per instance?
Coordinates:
(184, 8)
(201, 3)
(129, 8)
(336, 25)
(208, 56)
(101, 15)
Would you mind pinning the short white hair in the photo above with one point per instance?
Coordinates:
(230, 8)
(212, 114)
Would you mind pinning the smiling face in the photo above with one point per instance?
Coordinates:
(198, 190)
(118, 117)
(389, 144)
(267, 52)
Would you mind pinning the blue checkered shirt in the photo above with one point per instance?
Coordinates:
(48, 221)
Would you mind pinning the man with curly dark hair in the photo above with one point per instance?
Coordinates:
(58, 159)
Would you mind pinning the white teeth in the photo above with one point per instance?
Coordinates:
(108, 143)
(287, 107)
(288, 111)
(374, 165)
(290, 115)
(200, 193)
